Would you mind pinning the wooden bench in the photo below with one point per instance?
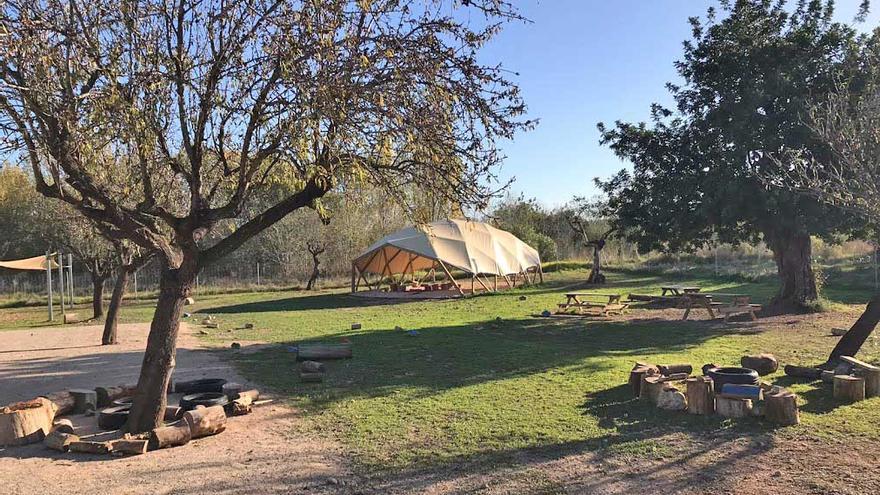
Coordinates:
(606, 304)
(735, 304)
(738, 305)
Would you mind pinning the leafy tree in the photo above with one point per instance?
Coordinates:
(749, 78)
(526, 219)
(203, 104)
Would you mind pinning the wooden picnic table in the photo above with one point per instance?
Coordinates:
(606, 303)
(679, 290)
(737, 304)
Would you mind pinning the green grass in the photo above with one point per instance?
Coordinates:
(484, 381)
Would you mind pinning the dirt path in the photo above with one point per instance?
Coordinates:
(257, 454)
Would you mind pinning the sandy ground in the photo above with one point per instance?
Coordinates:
(256, 454)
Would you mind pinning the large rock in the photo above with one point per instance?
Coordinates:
(764, 364)
(671, 399)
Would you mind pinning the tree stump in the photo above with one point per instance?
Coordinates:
(83, 400)
(869, 372)
(700, 395)
(312, 367)
(803, 372)
(60, 441)
(670, 399)
(849, 388)
(232, 390)
(169, 436)
(106, 395)
(240, 407)
(733, 407)
(252, 394)
(651, 388)
(781, 408)
(63, 401)
(172, 414)
(639, 371)
(26, 422)
(764, 364)
(205, 421)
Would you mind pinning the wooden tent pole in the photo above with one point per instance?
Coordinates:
(49, 284)
(541, 272)
(446, 271)
(61, 287)
(353, 283)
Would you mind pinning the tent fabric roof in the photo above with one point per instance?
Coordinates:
(35, 263)
(474, 247)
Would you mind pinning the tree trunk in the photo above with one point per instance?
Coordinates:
(315, 272)
(112, 321)
(596, 275)
(793, 255)
(97, 296)
(852, 341)
(148, 409)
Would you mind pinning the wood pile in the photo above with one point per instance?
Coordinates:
(852, 380)
(672, 387)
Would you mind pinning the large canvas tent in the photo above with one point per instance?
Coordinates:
(475, 249)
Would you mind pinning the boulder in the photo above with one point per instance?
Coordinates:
(837, 332)
(764, 364)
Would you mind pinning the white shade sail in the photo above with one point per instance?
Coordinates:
(473, 247)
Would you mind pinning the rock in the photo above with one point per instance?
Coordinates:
(398, 329)
(522, 298)
(189, 301)
(355, 326)
(236, 345)
(837, 332)
(248, 326)
(546, 313)
(671, 399)
(764, 364)
(186, 315)
(311, 367)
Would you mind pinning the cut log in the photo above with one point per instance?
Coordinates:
(700, 395)
(63, 425)
(312, 367)
(240, 407)
(849, 388)
(670, 399)
(869, 372)
(781, 408)
(106, 395)
(206, 421)
(169, 436)
(26, 422)
(651, 388)
(252, 394)
(735, 391)
(91, 447)
(764, 364)
(231, 390)
(733, 407)
(635, 376)
(323, 351)
(132, 447)
(671, 369)
(827, 376)
(60, 441)
(63, 401)
(803, 372)
(83, 400)
(311, 377)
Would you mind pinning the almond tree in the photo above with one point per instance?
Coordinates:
(201, 103)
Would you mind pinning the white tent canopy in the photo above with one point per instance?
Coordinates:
(472, 247)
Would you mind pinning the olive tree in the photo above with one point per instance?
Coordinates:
(202, 103)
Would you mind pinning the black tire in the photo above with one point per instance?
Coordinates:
(207, 399)
(736, 376)
(113, 418)
(200, 386)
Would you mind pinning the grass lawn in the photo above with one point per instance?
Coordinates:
(483, 381)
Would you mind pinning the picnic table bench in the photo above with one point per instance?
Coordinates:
(607, 304)
(734, 304)
(679, 290)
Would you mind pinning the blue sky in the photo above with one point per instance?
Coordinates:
(585, 61)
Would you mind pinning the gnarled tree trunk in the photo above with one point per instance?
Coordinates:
(596, 275)
(315, 249)
(792, 252)
(148, 408)
(112, 321)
